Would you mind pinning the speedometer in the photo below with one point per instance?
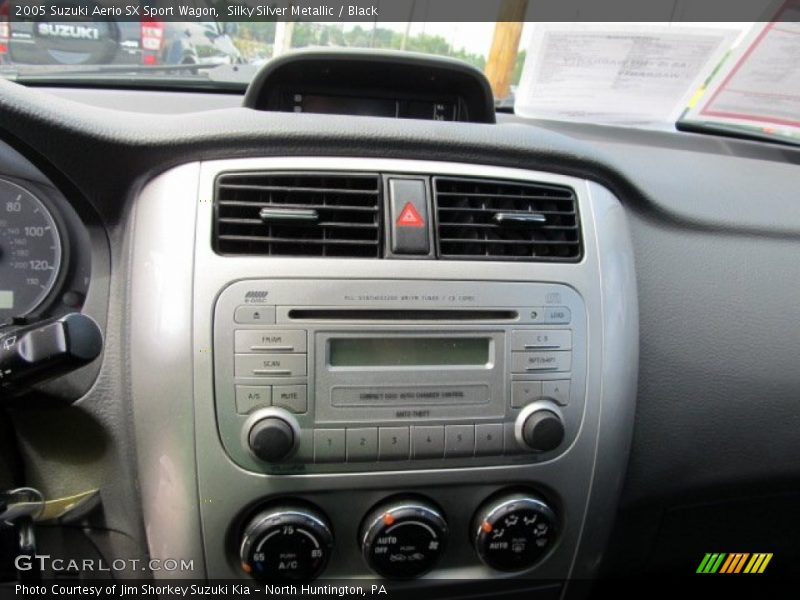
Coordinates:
(30, 251)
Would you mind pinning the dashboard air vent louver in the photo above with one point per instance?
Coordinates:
(481, 219)
(298, 214)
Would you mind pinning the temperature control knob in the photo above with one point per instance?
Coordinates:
(290, 542)
(513, 531)
(271, 434)
(403, 537)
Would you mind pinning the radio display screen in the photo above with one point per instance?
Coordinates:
(408, 352)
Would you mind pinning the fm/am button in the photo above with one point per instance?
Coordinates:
(261, 340)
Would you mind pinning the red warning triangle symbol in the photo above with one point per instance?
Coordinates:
(410, 217)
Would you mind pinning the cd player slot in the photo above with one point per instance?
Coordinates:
(392, 314)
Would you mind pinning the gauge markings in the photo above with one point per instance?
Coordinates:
(29, 245)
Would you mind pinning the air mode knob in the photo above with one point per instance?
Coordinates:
(540, 426)
(403, 537)
(513, 531)
(289, 542)
(271, 434)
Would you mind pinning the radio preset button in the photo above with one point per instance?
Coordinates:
(428, 441)
(329, 445)
(557, 315)
(293, 398)
(488, 439)
(510, 444)
(525, 392)
(393, 443)
(252, 315)
(557, 390)
(362, 444)
(459, 441)
(249, 397)
(270, 365)
(540, 362)
(261, 340)
(305, 448)
(542, 339)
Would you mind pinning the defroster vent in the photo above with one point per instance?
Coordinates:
(479, 219)
(298, 214)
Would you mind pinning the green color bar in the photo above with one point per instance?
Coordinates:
(716, 565)
(701, 568)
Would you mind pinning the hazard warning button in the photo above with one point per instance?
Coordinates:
(408, 202)
(409, 217)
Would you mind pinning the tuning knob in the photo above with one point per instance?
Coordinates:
(271, 434)
(540, 426)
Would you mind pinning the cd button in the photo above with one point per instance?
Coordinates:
(362, 444)
(252, 315)
(557, 390)
(459, 440)
(525, 392)
(329, 445)
(428, 441)
(393, 443)
(488, 439)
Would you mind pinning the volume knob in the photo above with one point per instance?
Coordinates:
(271, 434)
(540, 427)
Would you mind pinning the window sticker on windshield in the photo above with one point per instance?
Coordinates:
(617, 73)
(760, 87)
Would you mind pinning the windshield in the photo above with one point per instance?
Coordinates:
(650, 74)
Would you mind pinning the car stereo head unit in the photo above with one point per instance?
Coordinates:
(334, 375)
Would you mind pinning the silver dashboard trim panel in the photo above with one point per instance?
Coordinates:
(579, 482)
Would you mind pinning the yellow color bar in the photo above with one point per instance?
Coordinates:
(765, 563)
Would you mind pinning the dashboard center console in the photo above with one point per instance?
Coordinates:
(337, 405)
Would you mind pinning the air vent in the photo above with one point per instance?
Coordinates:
(481, 219)
(298, 214)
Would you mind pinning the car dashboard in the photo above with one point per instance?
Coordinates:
(430, 351)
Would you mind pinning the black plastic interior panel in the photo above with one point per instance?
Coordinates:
(377, 83)
(716, 232)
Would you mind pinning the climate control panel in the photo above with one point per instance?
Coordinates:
(403, 536)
